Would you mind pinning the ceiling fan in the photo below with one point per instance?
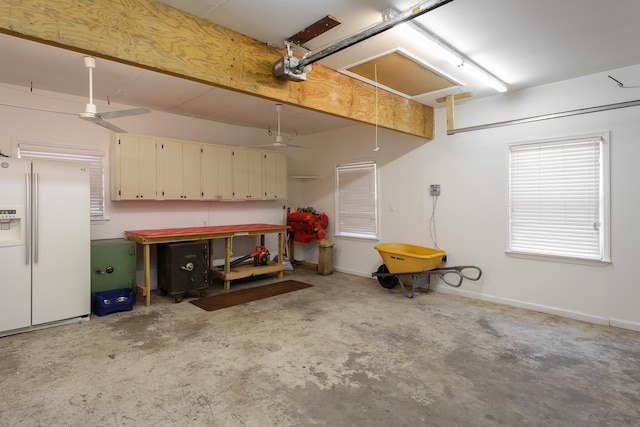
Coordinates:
(279, 143)
(91, 112)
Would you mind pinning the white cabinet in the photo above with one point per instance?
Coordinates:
(150, 168)
(275, 175)
(247, 174)
(179, 170)
(216, 172)
(133, 167)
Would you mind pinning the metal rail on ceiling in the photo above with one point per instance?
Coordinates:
(531, 119)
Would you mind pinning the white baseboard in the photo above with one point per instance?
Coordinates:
(351, 272)
(598, 320)
(625, 324)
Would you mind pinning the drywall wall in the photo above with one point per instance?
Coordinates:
(471, 213)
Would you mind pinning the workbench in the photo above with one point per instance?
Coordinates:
(170, 235)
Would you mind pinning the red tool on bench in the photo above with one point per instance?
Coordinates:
(260, 257)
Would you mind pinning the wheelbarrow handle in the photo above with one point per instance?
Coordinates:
(448, 272)
(458, 271)
(469, 276)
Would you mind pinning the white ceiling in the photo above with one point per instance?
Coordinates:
(524, 43)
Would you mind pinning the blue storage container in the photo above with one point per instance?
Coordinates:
(105, 302)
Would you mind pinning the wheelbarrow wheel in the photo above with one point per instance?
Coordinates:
(388, 282)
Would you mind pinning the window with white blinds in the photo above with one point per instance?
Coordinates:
(95, 158)
(356, 200)
(558, 198)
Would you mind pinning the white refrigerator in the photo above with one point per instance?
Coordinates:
(44, 243)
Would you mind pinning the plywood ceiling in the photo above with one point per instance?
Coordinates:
(401, 74)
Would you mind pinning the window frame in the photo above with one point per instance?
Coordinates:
(603, 201)
(351, 230)
(94, 156)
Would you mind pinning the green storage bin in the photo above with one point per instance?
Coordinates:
(113, 264)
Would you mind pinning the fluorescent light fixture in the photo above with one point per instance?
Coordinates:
(452, 55)
(488, 79)
(411, 32)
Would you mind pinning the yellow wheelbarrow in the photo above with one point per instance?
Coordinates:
(420, 263)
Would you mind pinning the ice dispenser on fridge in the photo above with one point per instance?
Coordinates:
(12, 226)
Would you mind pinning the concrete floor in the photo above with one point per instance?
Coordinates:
(346, 352)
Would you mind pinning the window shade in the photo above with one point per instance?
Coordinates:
(556, 200)
(356, 200)
(95, 159)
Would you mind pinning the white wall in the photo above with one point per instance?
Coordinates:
(471, 213)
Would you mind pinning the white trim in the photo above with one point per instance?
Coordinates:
(575, 315)
(557, 258)
(625, 324)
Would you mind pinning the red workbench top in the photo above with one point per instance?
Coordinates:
(211, 229)
(150, 236)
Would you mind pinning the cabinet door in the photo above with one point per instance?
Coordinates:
(133, 167)
(129, 158)
(216, 173)
(209, 176)
(225, 174)
(247, 174)
(171, 169)
(256, 176)
(147, 161)
(180, 170)
(281, 176)
(270, 183)
(191, 171)
(240, 165)
(275, 175)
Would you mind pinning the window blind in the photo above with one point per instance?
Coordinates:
(356, 200)
(95, 158)
(556, 198)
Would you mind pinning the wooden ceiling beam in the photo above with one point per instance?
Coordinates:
(151, 35)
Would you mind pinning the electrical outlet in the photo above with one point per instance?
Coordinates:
(434, 189)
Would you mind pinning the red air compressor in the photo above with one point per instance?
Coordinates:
(307, 224)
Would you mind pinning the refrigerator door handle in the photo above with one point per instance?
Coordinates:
(27, 254)
(35, 217)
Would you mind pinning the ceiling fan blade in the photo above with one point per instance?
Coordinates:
(103, 123)
(285, 145)
(125, 113)
(37, 109)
